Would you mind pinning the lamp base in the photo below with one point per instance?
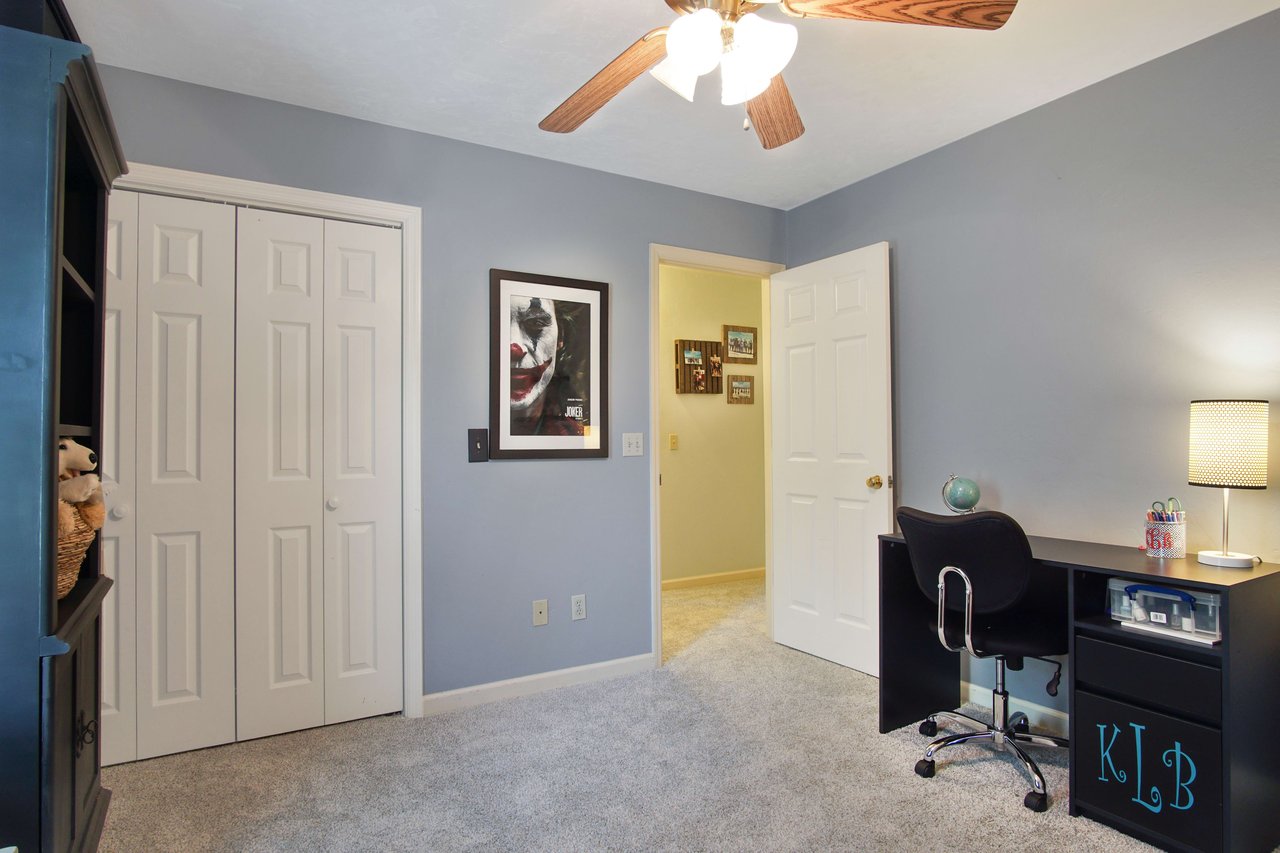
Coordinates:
(1227, 559)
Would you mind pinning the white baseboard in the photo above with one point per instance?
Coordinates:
(1042, 719)
(718, 577)
(527, 685)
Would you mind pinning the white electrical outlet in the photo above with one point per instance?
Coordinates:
(633, 444)
(578, 606)
(540, 612)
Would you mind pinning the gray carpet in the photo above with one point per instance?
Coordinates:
(737, 744)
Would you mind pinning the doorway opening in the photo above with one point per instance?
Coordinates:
(709, 444)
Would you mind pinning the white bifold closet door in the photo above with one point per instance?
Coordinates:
(118, 718)
(318, 472)
(251, 449)
(185, 486)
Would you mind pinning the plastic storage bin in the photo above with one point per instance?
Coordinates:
(1169, 611)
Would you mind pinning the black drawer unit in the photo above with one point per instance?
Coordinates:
(1158, 681)
(1171, 740)
(1148, 770)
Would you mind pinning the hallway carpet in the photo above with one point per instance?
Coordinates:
(690, 612)
(737, 744)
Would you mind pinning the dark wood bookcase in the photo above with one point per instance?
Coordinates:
(60, 154)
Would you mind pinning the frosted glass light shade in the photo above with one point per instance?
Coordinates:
(676, 78)
(1228, 444)
(694, 43)
(739, 82)
(760, 50)
(769, 44)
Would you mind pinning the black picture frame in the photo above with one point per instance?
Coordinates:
(553, 402)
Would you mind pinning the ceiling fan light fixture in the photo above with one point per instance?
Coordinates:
(676, 78)
(739, 82)
(759, 51)
(770, 45)
(694, 42)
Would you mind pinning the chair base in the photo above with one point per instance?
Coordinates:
(1006, 732)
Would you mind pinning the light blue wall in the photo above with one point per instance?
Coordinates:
(1066, 282)
(1063, 284)
(500, 534)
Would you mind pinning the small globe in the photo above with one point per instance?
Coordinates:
(960, 494)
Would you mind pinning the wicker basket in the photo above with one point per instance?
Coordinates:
(71, 551)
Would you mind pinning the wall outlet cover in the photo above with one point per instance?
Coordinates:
(540, 612)
(578, 606)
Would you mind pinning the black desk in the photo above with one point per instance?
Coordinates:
(1145, 710)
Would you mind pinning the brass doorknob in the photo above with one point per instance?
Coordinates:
(874, 481)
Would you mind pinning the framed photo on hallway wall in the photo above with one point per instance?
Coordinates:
(742, 390)
(740, 344)
(548, 366)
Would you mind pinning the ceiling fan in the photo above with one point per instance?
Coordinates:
(751, 52)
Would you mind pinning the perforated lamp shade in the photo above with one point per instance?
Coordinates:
(1228, 444)
(1228, 450)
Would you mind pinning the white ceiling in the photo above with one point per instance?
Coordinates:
(486, 71)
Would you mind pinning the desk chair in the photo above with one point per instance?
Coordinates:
(994, 601)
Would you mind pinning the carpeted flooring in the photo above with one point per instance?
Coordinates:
(690, 612)
(737, 744)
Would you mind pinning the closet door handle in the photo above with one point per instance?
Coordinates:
(121, 511)
(333, 502)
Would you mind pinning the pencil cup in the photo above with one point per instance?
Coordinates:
(1167, 539)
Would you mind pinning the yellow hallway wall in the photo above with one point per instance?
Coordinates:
(712, 500)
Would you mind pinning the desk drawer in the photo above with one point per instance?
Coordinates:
(1157, 680)
(1157, 772)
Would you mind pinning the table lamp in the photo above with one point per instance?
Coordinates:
(1228, 450)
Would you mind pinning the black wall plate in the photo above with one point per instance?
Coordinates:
(477, 445)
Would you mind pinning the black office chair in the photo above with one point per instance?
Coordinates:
(995, 601)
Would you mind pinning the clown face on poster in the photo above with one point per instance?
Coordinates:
(548, 366)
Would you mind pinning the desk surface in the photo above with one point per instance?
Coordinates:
(1070, 554)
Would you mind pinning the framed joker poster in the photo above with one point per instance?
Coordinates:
(549, 369)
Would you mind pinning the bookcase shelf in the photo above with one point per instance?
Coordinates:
(51, 320)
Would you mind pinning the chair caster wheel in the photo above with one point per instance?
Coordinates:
(1035, 802)
(1022, 726)
(924, 769)
(929, 728)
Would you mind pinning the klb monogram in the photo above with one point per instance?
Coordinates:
(1177, 760)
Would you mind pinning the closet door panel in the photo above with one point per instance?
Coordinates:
(362, 471)
(185, 475)
(279, 495)
(119, 715)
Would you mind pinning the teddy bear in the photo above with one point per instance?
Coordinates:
(78, 492)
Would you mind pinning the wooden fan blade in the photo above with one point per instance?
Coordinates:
(611, 80)
(971, 14)
(774, 116)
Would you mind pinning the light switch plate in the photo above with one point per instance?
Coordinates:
(477, 445)
(633, 444)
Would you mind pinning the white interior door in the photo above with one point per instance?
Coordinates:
(279, 482)
(362, 471)
(185, 475)
(119, 714)
(831, 432)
